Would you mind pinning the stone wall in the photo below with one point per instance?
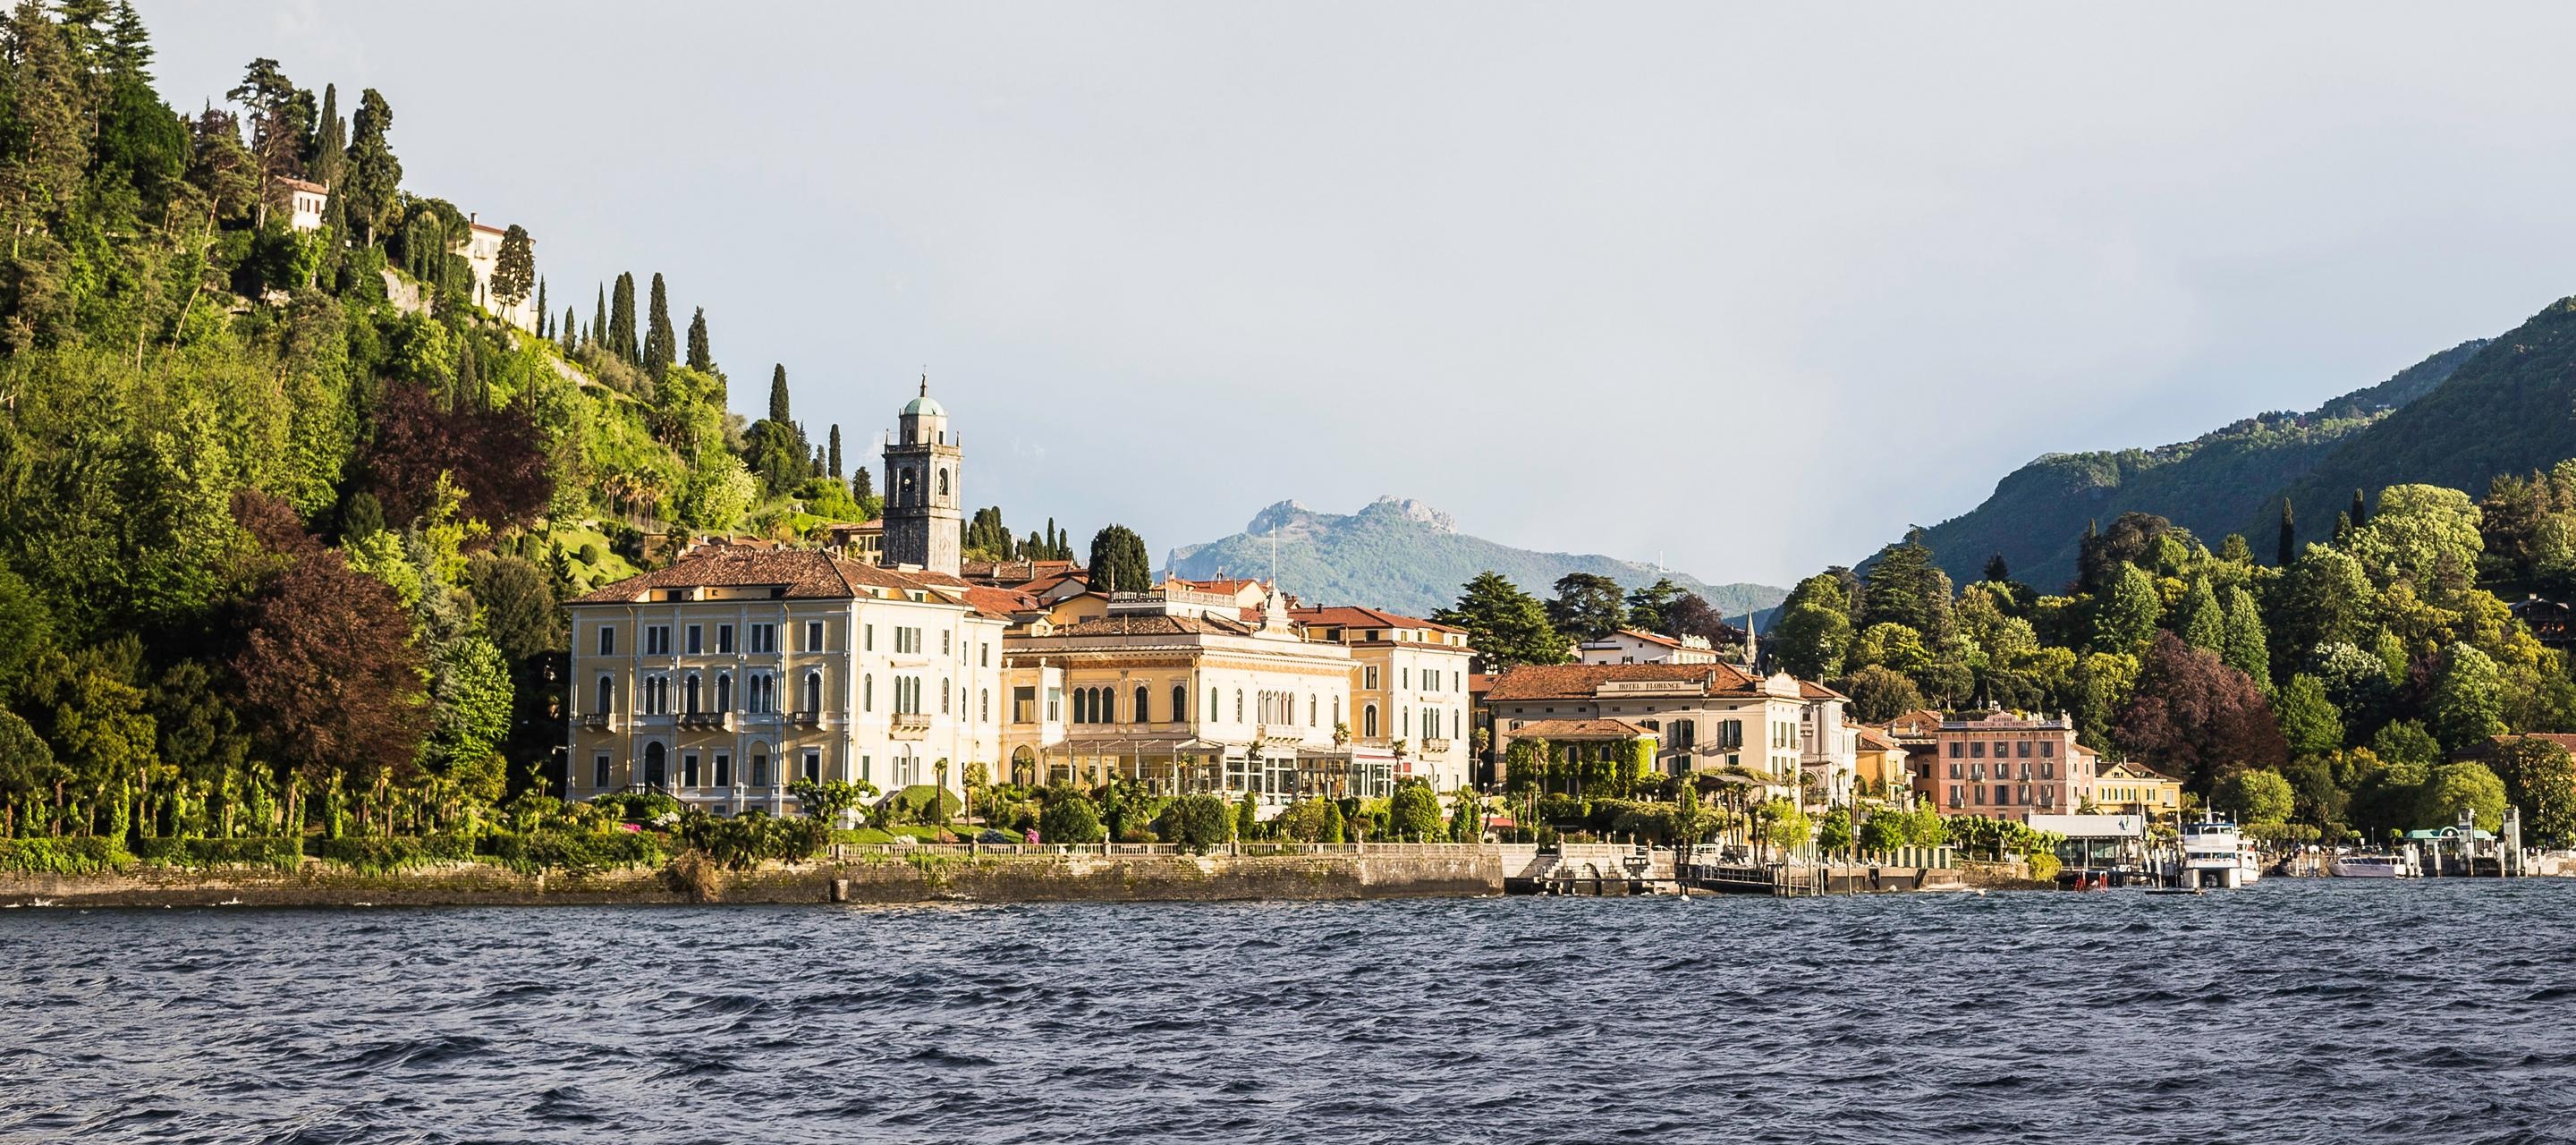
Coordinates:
(1391, 871)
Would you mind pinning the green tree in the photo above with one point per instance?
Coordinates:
(1504, 625)
(2245, 648)
(1651, 609)
(371, 180)
(1814, 633)
(1195, 822)
(2406, 741)
(1905, 586)
(1414, 813)
(514, 271)
(835, 460)
(1587, 606)
(702, 358)
(1881, 694)
(2128, 613)
(2289, 543)
(661, 344)
(1118, 561)
(2540, 777)
(2254, 796)
(2308, 719)
(2324, 597)
(1070, 819)
(2200, 620)
(622, 339)
(2453, 786)
(2468, 694)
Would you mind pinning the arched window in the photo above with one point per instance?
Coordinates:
(868, 692)
(1238, 705)
(943, 483)
(607, 696)
(906, 492)
(814, 691)
(689, 694)
(984, 704)
(1180, 703)
(1081, 705)
(654, 765)
(1368, 722)
(760, 765)
(724, 691)
(1143, 712)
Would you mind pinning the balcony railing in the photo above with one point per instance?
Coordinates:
(1435, 747)
(701, 721)
(911, 725)
(596, 722)
(805, 719)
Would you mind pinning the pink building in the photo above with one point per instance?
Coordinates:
(2004, 765)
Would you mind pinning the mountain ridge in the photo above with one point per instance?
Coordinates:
(1404, 555)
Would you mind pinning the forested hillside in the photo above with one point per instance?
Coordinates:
(1406, 556)
(284, 514)
(2510, 408)
(2212, 484)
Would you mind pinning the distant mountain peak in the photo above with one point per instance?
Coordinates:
(1404, 554)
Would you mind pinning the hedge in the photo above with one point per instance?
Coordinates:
(70, 856)
(198, 854)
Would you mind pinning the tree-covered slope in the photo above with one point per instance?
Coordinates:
(1408, 557)
(2509, 408)
(2213, 484)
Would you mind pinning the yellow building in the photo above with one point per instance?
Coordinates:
(2134, 789)
(1410, 697)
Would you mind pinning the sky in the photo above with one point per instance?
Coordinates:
(1743, 288)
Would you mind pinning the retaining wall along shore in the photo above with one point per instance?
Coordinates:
(881, 877)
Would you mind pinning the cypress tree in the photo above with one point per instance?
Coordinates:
(330, 140)
(545, 313)
(599, 320)
(661, 343)
(862, 486)
(2360, 509)
(2247, 649)
(372, 174)
(836, 451)
(700, 358)
(778, 395)
(621, 320)
(2289, 535)
(571, 332)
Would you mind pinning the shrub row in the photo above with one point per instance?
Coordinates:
(73, 856)
(198, 854)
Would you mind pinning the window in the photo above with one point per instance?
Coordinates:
(1368, 677)
(657, 695)
(944, 637)
(2048, 771)
(724, 769)
(868, 692)
(697, 642)
(1213, 706)
(607, 640)
(813, 635)
(1957, 749)
(1404, 678)
(2022, 749)
(984, 705)
(1954, 771)
(1143, 711)
(813, 767)
(764, 638)
(1977, 749)
(1055, 704)
(655, 763)
(867, 769)
(657, 640)
(1955, 796)
(1337, 711)
(1310, 709)
(761, 694)
(1368, 722)
(599, 770)
(724, 640)
(689, 694)
(2047, 750)
(759, 768)
(1180, 703)
(814, 692)
(869, 637)
(607, 696)
(689, 769)
(943, 695)
(1238, 705)
(724, 691)
(987, 660)
(907, 641)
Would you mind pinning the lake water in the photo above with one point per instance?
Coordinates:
(2307, 1010)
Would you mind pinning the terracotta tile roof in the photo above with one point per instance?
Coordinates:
(1649, 637)
(1479, 683)
(1576, 730)
(1222, 584)
(1012, 572)
(1810, 690)
(804, 574)
(302, 184)
(1000, 601)
(1565, 681)
(1874, 739)
(1916, 723)
(1353, 616)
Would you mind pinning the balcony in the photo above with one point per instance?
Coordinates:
(596, 722)
(805, 719)
(910, 725)
(706, 721)
(1435, 747)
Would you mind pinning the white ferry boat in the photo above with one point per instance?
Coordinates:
(2215, 854)
(2379, 865)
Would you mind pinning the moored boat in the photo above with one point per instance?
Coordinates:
(2378, 865)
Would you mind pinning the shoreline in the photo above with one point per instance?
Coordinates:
(885, 877)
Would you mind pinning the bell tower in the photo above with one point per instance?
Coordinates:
(922, 523)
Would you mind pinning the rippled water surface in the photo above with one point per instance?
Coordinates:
(2293, 1011)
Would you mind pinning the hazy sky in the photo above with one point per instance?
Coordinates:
(1750, 287)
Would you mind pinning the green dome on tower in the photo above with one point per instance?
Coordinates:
(924, 406)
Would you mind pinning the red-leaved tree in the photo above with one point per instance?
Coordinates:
(327, 672)
(2196, 717)
(497, 457)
